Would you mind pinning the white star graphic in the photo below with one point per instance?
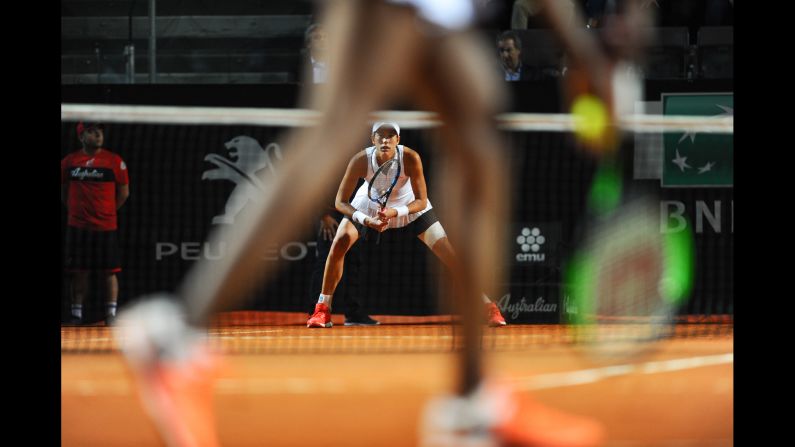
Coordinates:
(681, 161)
(727, 111)
(706, 167)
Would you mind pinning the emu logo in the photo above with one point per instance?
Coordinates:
(246, 158)
(530, 240)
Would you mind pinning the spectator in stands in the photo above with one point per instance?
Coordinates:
(94, 185)
(315, 47)
(510, 48)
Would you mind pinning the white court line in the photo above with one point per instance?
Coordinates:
(593, 375)
(297, 385)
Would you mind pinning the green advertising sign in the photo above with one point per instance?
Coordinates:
(698, 159)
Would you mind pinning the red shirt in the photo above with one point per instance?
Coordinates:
(92, 181)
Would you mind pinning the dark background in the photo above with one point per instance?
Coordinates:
(171, 204)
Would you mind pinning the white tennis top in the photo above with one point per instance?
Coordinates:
(449, 14)
(402, 193)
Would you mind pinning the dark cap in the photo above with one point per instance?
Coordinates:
(82, 127)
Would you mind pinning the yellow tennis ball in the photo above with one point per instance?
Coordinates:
(590, 118)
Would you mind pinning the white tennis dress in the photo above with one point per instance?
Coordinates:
(449, 14)
(401, 195)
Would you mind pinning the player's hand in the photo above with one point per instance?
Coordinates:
(328, 227)
(386, 214)
(377, 224)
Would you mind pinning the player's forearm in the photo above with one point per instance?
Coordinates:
(346, 208)
(417, 205)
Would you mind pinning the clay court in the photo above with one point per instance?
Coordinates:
(365, 386)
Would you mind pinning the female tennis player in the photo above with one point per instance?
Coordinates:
(390, 198)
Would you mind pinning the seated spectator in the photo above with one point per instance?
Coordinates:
(510, 48)
(315, 50)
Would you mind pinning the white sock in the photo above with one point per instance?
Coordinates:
(324, 299)
(77, 310)
(110, 309)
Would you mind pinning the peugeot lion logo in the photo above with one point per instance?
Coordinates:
(246, 158)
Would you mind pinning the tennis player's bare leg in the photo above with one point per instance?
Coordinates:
(371, 68)
(346, 236)
(467, 98)
(457, 81)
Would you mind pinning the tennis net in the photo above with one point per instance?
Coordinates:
(193, 169)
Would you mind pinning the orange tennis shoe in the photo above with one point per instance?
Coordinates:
(321, 317)
(174, 372)
(496, 415)
(494, 317)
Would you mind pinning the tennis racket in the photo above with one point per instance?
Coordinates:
(628, 278)
(382, 183)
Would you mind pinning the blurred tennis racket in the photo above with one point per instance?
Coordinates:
(628, 278)
(382, 183)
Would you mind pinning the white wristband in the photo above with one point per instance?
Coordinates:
(402, 211)
(359, 217)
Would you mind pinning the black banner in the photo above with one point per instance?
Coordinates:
(187, 180)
